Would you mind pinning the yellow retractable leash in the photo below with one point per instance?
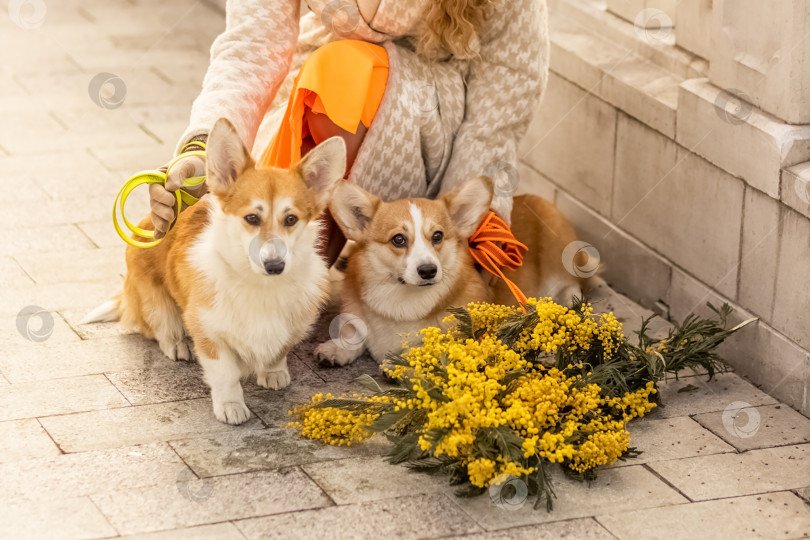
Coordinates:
(155, 177)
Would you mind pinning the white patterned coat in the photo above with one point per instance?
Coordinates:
(439, 124)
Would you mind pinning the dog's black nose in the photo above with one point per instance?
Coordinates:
(274, 267)
(426, 271)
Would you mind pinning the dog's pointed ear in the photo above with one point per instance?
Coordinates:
(323, 167)
(226, 157)
(353, 208)
(469, 204)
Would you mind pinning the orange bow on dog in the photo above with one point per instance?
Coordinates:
(492, 256)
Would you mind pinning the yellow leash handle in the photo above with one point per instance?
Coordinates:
(154, 177)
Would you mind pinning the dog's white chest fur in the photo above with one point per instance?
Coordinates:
(258, 317)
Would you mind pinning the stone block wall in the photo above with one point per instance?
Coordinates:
(676, 135)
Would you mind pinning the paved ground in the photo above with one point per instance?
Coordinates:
(101, 436)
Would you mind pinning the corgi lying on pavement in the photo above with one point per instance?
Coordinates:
(411, 263)
(239, 271)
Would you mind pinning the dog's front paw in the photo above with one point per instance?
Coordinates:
(275, 380)
(330, 353)
(231, 412)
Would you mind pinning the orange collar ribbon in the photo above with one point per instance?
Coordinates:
(493, 246)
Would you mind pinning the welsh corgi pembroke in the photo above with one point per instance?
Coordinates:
(411, 263)
(239, 272)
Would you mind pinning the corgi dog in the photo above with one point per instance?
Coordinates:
(239, 271)
(411, 263)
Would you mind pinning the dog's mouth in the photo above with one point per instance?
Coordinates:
(426, 283)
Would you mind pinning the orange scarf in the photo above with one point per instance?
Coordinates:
(493, 246)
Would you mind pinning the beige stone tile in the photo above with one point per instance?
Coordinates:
(758, 351)
(349, 481)
(631, 83)
(629, 9)
(759, 256)
(671, 438)
(12, 275)
(75, 266)
(210, 501)
(33, 330)
(579, 529)
(607, 300)
(248, 451)
(88, 473)
(59, 396)
(695, 395)
(101, 233)
(24, 439)
(748, 428)
(54, 360)
(628, 265)
(535, 183)
(732, 475)
(74, 518)
(55, 212)
(678, 204)
(772, 515)
(693, 21)
(34, 239)
(571, 141)
(137, 425)
(762, 145)
(790, 313)
(617, 489)
(220, 531)
(173, 381)
(29, 140)
(405, 517)
(796, 188)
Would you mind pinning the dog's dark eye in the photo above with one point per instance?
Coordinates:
(399, 240)
(290, 220)
(438, 236)
(253, 219)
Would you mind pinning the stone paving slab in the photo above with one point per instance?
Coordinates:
(190, 502)
(61, 396)
(256, 450)
(775, 515)
(71, 518)
(115, 428)
(404, 517)
(220, 531)
(695, 395)
(748, 428)
(732, 475)
(671, 438)
(24, 439)
(574, 529)
(623, 488)
(89, 473)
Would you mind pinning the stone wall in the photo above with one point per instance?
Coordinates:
(676, 135)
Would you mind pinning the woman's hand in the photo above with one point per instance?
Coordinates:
(162, 199)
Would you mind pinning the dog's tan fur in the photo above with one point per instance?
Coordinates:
(373, 293)
(211, 278)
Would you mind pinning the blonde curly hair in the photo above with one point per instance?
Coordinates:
(453, 27)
